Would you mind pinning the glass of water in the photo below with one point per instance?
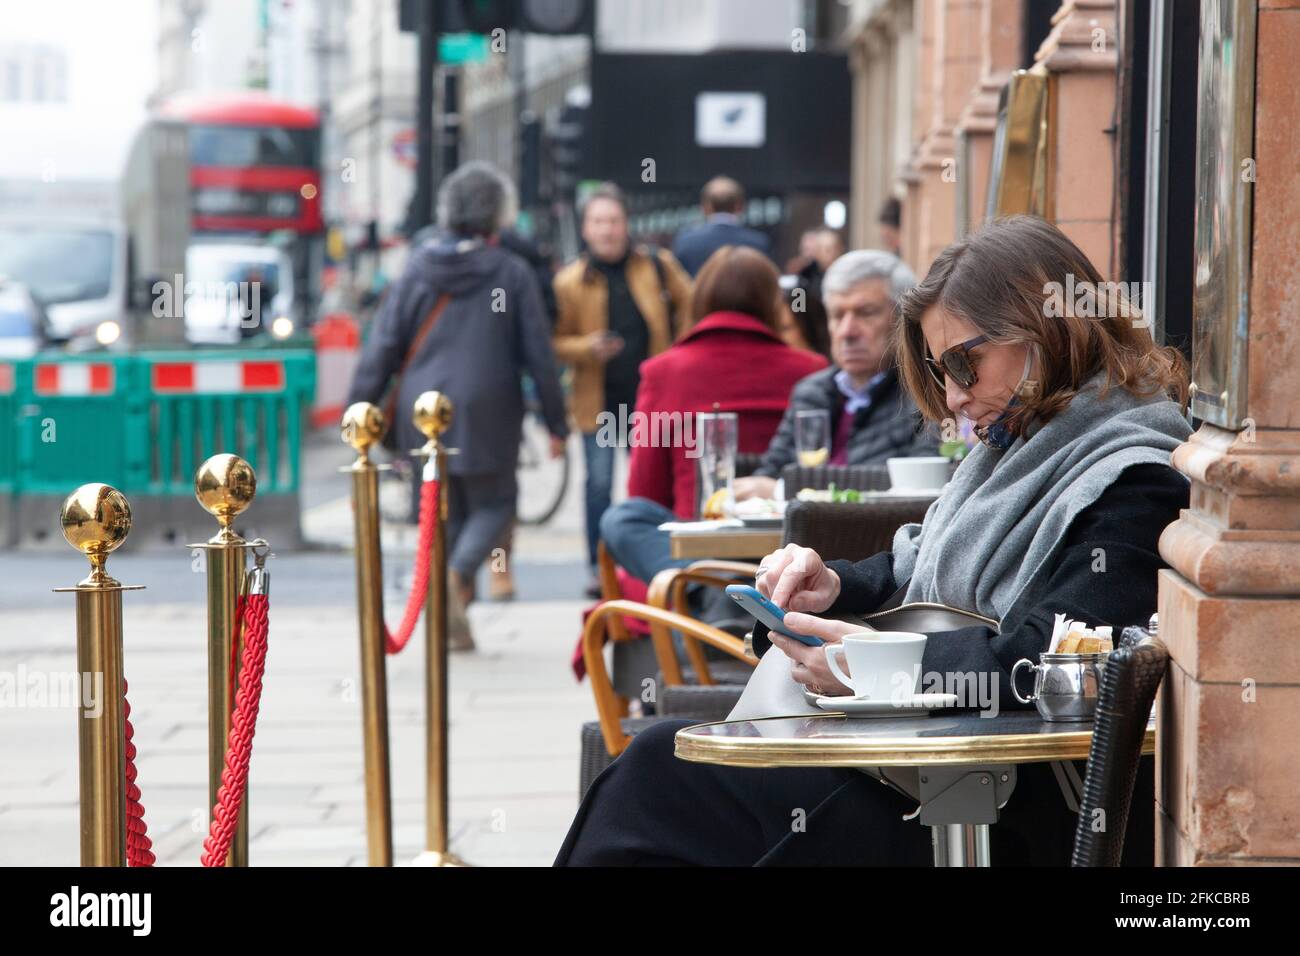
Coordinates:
(718, 434)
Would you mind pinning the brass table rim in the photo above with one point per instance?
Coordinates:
(885, 751)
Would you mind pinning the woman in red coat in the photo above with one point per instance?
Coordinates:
(730, 357)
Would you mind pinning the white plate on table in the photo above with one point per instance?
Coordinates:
(916, 705)
(773, 522)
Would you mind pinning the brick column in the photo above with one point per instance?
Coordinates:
(1000, 38)
(1080, 57)
(1228, 748)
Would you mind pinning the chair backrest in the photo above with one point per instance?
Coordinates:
(850, 531)
(747, 463)
(1129, 680)
(862, 477)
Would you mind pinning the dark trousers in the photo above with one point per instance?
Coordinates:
(651, 809)
(480, 509)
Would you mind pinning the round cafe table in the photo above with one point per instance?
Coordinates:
(959, 766)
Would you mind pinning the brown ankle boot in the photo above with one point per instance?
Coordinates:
(459, 594)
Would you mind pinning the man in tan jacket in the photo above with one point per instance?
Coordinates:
(616, 306)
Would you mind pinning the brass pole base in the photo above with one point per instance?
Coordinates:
(434, 858)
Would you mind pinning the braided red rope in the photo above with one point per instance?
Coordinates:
(138, 845)
(396, 640)
(243, 724)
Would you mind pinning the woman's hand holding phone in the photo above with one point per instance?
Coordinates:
(796, 579)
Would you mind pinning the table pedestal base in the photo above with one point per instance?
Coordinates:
(961, 844)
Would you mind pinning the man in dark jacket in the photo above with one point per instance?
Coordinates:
(871, 417)
(492, 328)
(723, 200)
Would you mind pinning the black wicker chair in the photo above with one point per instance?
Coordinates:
(1128, 688)
(795, 477)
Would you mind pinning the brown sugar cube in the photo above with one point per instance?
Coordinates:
(1089, 645)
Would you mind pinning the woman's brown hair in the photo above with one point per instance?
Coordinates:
(1021, 280)
(737, 279)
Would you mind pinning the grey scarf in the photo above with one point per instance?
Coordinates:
(989, 542)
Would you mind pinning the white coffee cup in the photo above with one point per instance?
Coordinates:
(917, 474)
(881, 664)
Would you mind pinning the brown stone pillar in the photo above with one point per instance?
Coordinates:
(1080, 57)
(950, 52)
(1000, 38)
(1228, 743)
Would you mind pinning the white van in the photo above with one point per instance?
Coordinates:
(236, 291)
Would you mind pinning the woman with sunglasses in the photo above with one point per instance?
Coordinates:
(1058, 510)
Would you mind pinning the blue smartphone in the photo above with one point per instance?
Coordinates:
(752, 600)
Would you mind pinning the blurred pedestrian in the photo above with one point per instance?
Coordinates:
(466, 318)
(890, 224)
(723, 200)
(617, 306)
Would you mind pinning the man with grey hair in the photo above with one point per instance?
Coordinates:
(871, 417)
(466, 318)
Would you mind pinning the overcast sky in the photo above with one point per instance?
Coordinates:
(111, 47)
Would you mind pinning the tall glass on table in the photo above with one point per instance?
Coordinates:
(812, 437)
(717, 436)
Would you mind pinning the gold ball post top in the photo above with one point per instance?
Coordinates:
(362, 427)
(225, 485)
(96, 519)
(432, 414)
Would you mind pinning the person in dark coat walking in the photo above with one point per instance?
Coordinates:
(492, 329)
(723, 200)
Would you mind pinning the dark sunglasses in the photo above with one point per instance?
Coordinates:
(956, 363)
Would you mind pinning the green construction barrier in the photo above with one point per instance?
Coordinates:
(144, 422)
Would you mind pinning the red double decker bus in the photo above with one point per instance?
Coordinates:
(254, 162)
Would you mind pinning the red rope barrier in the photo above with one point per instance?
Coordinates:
(138, 845)
(243, 724)
(396, 640)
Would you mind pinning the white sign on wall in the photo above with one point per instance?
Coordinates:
(730, 119)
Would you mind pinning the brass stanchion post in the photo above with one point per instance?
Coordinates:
(363, 426)
(96, 519)
(433, 417)
(224, 485)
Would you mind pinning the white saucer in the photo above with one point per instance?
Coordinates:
(912, 492)
(915, 706)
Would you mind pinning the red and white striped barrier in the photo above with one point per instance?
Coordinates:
(338, 344)
(216, 378)
(73, 378)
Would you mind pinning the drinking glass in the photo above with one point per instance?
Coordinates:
(812, 437)
(718, 434)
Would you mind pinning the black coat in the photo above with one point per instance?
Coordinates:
(492, 331)
(890, 427)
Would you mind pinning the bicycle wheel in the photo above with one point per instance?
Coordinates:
(543, 480)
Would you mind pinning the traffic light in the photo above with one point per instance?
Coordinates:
(530, 160)
(484, 16)
(568, 141)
